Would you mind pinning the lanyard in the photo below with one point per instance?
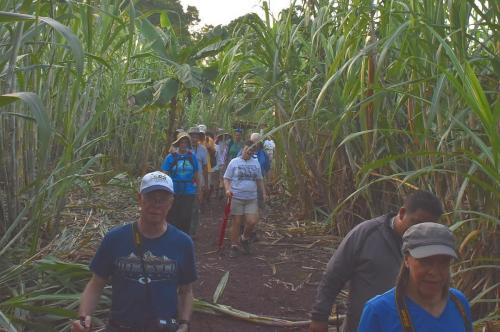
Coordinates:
(405, 318)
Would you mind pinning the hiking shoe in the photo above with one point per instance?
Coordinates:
(245, 244)
(234, 252)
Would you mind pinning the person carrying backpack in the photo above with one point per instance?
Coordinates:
(182, 167)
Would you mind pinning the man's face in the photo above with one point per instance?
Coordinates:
(195, 138)
(237, 136)
(419, 216)
(155, 206)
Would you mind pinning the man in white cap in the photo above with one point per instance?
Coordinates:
(150, 264)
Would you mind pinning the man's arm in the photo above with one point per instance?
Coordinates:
(88, 302)
(339, 270)
(184, 305)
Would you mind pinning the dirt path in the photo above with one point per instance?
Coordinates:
(279, 279)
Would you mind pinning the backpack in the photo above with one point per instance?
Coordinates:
(177, 157)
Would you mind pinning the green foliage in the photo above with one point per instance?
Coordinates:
(366, 100)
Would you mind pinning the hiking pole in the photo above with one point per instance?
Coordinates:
(222, 230)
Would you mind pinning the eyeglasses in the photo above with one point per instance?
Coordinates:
(156, 198)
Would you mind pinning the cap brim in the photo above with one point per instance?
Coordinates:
(432, 250)
(155, 187)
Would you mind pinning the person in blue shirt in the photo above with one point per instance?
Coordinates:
(422, 300)
(150, 265)
(182, 167)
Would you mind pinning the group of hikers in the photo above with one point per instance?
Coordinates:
(396, 266)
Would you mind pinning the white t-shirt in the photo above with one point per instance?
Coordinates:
(269, 147)
(243, 175)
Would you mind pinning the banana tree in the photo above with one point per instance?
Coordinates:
(185, 62)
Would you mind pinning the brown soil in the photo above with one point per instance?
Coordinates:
(278, 279)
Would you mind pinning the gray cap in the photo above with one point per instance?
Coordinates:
(429, 239)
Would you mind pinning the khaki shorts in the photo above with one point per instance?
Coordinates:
(240, 207)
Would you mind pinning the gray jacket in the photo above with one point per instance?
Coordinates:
(369, 257)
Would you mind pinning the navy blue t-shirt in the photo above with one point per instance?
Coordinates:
(381, 315)
(169, 262)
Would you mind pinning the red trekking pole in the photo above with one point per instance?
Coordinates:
(222, 230)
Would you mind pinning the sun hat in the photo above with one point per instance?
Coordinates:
(194, 130)
(181, 136)
(429, 239)
(202, 128)
(221, 132)
(156, 181)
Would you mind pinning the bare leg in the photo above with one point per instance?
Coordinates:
(235, 230)
(250, 221)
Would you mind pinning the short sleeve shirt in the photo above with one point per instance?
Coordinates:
(243, 175)
(380, 314)
(169, 262)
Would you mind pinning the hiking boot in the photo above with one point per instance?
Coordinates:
(245, 244)
(234, 252)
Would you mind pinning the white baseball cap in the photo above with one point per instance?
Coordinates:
(156, 181)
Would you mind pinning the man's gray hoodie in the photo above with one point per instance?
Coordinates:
(369, 258)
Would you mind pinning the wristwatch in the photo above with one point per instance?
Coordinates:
(183, 322)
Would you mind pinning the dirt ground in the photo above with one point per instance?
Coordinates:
(278, 279)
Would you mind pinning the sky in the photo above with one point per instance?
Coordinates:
(216, 12)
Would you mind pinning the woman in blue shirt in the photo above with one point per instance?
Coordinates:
(422, 300)
(182, 167)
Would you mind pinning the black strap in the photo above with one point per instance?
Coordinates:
(140, 252)
(405, 318)
(404, 314)
(461, 310)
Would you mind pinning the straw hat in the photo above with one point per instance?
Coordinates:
(181, 136)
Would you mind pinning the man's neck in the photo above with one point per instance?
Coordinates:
(433, 305)
(152, 231)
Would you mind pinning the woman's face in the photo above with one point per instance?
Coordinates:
(429, 275)
(247, 152)
(183, 144)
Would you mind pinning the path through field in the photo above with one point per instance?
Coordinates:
(278, 279)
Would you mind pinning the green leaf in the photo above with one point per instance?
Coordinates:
(190, 76)
(165, 92)
(6, 324)
(211, 49)
(164, 20)
(73, 41)
(221, 286)
(38, 111)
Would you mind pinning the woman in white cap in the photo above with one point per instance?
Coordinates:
(422, 300)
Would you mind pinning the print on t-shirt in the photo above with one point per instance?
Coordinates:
(157, 268)
(247, 172)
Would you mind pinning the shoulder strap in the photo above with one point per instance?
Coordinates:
(175, 155)
(461, 310)
(404, 314)
(405, 318)
(140, 252)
